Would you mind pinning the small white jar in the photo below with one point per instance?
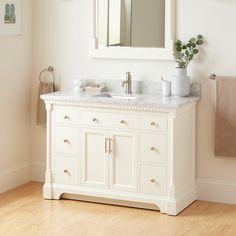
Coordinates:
(78, 85)
(166, 88)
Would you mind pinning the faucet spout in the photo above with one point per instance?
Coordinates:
(127, 83)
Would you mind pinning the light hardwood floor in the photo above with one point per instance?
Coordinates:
(23, 212)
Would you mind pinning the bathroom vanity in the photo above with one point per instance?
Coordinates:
(137, 151)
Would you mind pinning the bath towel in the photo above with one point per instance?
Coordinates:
(225, 120)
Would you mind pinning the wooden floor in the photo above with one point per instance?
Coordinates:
(23, 212)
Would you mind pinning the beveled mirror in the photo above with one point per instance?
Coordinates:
(133, 29)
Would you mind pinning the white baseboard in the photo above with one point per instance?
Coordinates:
(38, 171)
(214, 191)
(15, 177)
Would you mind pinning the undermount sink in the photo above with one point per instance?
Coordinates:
(120, 96)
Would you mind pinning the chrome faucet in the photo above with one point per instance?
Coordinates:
(128, 83)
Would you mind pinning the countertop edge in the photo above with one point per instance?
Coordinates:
(166, 108)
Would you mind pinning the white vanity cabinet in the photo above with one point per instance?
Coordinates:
(125, 154)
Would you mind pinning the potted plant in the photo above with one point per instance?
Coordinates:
(184, 54)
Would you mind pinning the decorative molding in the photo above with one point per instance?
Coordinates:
(38, 171)
(14, 177)
(144, 108)
(216, 191)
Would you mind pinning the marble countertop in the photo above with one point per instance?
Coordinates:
(143, 101)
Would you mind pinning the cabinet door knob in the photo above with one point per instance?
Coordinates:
(66, 117)
(66, 171)
(94, 119)
(123, 122)
(66, 141)
(153, 124)
(153, 181)
(153, 149)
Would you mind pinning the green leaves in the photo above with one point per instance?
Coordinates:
(185, 52)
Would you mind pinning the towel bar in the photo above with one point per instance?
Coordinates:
(213, 76)
(48, 69)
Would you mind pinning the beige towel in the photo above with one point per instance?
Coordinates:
(225, 135)
(44, 88)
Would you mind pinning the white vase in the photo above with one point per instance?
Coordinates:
(180, 84)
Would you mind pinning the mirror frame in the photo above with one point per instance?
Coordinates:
(166, 53)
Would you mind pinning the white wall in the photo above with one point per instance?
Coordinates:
(15, 73)
(61, 38)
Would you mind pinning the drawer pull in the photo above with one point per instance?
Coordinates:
(123, 122)
(153, 124)
(94, 120)
(106, 140)
(66, 117)
(66, 171)
(67, 141)
(153, 149)
(153, 181)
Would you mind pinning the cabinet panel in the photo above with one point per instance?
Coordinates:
(94, 158)
(114, 120)
(66, 170)
(153, 180)
(67, 117)
(154, 123)
(123, 166)
(66, 140)
(153, 148)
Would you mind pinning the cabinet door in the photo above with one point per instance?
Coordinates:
(95, 158)
(123, 161)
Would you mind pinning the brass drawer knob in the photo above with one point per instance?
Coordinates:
(66, 141)
(94, 119)
(153, 149)
(123, 122)
(153, 181)
(153, 124)
(66, 171)
(66, 117)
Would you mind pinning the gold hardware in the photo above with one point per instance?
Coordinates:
(153, 149)
(110, 145)
(153, 124)
(153, 181)
(94, 119)
(66, 118)
(106, 139)
(122, 122)
(66, 171)
(66, 141)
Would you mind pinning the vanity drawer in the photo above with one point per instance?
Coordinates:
(66, 140)
(114, 120)
(66, 116)
(66, 170)
(152, 180)
(154, 123)
(153, 148)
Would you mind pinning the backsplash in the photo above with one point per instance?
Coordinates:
(140, 87)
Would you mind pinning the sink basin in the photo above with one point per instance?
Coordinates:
(120, 96)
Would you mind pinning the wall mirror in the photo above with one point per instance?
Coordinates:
(133, 29)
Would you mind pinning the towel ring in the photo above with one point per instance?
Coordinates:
(49, 69)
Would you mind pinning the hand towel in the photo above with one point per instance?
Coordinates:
(44, 88)
(225, 120)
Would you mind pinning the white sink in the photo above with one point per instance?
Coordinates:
(130, 97)
(119, 96)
